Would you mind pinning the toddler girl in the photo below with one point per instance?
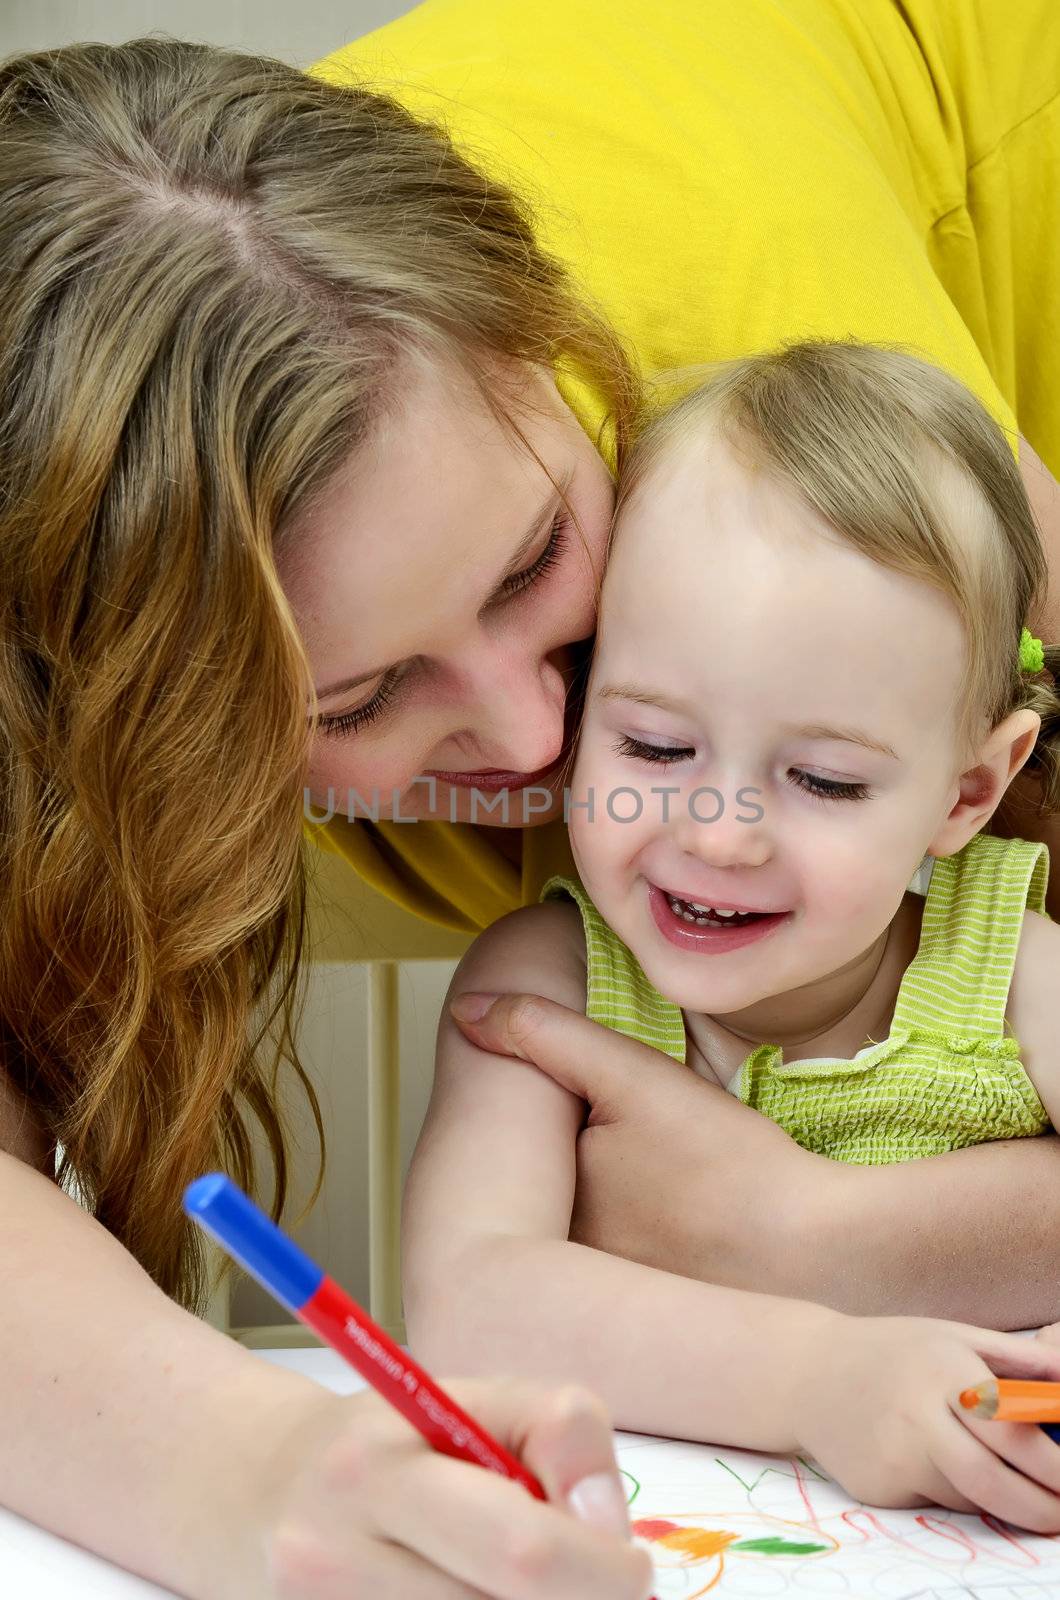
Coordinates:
(812, 676)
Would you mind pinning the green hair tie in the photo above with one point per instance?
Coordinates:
(1032, 656)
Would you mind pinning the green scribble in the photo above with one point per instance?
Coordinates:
(775, 1546)
(625, 1473)
(749, 1487)
(820, 1476)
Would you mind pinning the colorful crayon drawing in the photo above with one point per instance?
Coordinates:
(777, 1527)
(691, 1552)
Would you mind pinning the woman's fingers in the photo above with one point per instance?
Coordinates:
(381, 1514)
(589, 1060)
(494, 1536)
(303, 1569)
(567, 1443)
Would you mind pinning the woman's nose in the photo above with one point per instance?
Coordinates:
(510, 715)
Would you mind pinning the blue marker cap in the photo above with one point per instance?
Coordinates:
(253, 1239)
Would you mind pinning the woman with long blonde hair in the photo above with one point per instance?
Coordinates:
(305, 437)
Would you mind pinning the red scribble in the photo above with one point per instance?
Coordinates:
(879, 1527)
(948, 1530)
(951, 1531)
(1003, 1531)
(804, 1493)
(654, 1527)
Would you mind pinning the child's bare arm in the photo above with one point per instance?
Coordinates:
(491, 1281)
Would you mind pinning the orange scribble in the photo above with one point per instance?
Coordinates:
(698, 1544)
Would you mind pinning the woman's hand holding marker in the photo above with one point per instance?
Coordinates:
(367, 1506)
(357, 1503)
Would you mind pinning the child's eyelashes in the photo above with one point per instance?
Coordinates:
(667, 755)
(663, 755)
(827, 788)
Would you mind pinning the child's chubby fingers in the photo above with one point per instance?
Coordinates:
(967, 1456)
(1024, 1446)
(1013, 1355)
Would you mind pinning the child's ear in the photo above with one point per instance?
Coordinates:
(983, 785)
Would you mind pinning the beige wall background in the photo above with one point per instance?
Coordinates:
(299, 31)
(345, 920)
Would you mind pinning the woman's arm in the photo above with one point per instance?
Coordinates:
(129, 1427)
(676, 1174)
(149, 1438)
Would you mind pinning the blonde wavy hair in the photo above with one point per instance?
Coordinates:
(911, 470)
(211, 266)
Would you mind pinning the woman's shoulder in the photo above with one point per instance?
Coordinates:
(537, 949)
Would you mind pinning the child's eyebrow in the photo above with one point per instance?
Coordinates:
(643, 697)
(663, 702)
(847, 736)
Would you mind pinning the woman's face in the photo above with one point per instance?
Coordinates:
(442, 590)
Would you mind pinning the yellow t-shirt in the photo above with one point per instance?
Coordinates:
(724, 175)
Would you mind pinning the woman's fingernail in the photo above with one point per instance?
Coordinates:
(601, 1501)
(471, 1007)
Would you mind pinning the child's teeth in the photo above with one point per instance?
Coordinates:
(693, 911)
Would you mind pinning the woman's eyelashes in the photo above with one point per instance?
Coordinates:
(348, 722)
(362, 716)
(810, 782)
(557, 543)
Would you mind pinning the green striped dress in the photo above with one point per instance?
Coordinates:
(947, 1075)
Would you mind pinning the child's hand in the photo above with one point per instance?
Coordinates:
(880, 1413)
(356, 1503)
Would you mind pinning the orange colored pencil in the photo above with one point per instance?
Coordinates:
(1013, 1400)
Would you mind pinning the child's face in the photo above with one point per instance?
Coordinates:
(742, 640)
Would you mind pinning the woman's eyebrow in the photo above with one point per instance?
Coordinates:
(517, 560)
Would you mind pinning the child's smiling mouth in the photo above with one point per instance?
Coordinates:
(709, 929)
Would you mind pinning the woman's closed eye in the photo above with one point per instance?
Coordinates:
(554, 548)
(348, 722)
(345, 722)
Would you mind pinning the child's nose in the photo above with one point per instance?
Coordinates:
(723, 832)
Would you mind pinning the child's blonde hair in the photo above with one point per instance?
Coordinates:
(910, 469)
